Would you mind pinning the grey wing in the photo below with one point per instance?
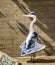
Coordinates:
(31, 43)
(39, 46)
(23, 45)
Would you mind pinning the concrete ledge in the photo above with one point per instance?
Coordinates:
(39, 60)
(37, 57)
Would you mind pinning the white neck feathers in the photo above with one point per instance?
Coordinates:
(32, 24)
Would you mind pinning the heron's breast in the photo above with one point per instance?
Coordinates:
(34, 35)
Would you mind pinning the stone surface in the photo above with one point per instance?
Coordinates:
(7, 60)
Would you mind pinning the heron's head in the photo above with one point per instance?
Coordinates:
(31, 15)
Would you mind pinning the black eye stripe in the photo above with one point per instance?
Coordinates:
(32, 13)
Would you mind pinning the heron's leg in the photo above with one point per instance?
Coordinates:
(32, 57)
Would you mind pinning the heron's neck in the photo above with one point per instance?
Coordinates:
(32, 25)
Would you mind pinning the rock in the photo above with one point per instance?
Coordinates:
(7, 60)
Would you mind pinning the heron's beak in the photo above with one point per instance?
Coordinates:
(26, 15)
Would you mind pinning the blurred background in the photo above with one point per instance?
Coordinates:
(14, 27)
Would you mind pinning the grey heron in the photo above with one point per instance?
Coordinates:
(31, 45)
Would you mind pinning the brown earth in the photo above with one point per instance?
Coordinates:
(14, 27)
